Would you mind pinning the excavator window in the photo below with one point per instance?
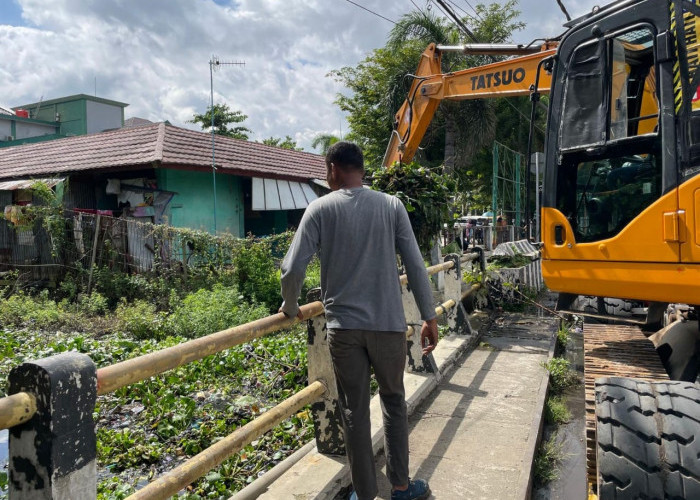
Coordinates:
(610, 168)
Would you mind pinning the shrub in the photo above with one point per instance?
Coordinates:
(561, 375)
(563, 337)
(140, 319)
(423, 192)
(94, 304)
(23, 309)
(257, 273)
(208, 311)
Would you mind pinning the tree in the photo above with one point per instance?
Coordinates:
(423, 192)
(380, 84)
(375, 99)
(286, 143)
(325, 141)
(223, 117)
(468, 125)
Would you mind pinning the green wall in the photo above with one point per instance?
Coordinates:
(193, 206)
(72, 113)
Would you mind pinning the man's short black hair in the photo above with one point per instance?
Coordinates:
(345, 155)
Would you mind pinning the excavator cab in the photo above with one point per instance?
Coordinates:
(620, 142)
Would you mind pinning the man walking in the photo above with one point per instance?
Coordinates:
(357, 233)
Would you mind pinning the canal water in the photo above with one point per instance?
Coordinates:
(571, 437)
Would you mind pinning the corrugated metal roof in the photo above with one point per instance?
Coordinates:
(274, 194)
(27, 184)
(157, 145)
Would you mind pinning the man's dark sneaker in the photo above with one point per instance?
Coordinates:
(417, 490)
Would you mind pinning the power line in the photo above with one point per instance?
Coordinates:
(370, 11)
(457, 20)
(416, 6)
(438, 6)
(471, 35)
(458, 8)
(475, 11)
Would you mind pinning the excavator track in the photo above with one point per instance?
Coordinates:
(614, 351)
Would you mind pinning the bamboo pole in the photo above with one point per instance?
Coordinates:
(111, 378)
(98, 222)
(438, 310)
(431, 270)
(16, 409)
(471, 290)
(467, 257)
(445, 306)
(173, 481)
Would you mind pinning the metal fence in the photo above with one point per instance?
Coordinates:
(84, 239)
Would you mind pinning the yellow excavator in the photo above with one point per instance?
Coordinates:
(620, 217)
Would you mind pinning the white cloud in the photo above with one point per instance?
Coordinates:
(153, 54)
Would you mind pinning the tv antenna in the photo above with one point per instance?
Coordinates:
(214, 65)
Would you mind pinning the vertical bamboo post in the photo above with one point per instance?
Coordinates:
(184, 260)
(98, 221)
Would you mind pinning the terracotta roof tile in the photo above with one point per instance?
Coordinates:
(167, 145)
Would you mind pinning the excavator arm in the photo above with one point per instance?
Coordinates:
(513, 77)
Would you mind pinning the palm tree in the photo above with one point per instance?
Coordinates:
(468, 125)
(325, 141)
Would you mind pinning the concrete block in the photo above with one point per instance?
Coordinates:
(52, 456)
(328, 424)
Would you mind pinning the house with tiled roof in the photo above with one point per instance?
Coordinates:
(162, 173)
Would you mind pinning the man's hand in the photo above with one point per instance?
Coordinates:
(429, 335)
(300, 315)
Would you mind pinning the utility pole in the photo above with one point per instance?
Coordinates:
(215, 64)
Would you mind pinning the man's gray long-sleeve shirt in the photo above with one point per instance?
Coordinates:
(358, 233)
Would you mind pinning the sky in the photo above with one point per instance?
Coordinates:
(154, 54)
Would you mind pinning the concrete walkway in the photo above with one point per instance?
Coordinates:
(475, 435)
(474, 429)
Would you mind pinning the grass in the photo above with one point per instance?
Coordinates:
(556, 411)
(563, 336)
(561, 376)
(546, 460)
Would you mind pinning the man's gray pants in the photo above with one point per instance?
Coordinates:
(353, 352)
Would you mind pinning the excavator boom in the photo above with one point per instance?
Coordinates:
(513, 77)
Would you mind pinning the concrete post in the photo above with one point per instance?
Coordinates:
(328, 426)
(415, 361)
(511, 233)
(457, 317)
(53, 455)
(488, 237)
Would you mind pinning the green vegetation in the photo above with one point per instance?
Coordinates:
(556, 411)
(509, 261)
(223, 117)
(563, 336)
(286, 143)
(546, 459)
(460, 136)
(152, 426)
(561, 376)
(423, 192)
